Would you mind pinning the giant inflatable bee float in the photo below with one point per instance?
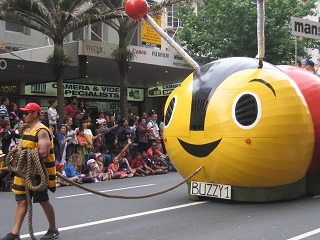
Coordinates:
(245, 122)
(250, 128)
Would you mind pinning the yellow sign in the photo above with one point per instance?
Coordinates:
(149, 36)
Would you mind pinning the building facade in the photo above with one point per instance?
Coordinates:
(93, 76)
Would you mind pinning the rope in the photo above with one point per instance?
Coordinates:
(130, 197)
(29, 164)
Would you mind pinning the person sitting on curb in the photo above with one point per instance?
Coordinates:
(140, 166)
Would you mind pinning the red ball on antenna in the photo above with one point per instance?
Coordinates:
(304, 1)
(136, 9)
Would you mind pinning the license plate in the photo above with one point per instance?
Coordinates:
(210, 190)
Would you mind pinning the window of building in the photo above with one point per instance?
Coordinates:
(13, 27)
(132, 36)
(172, 20)
(77, 35)
(96, 31)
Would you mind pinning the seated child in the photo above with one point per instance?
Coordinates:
(146, 159)
(93, 171)
(114, 170)
(140, 166)
(60, 181)
(158, 165)
(70, 168)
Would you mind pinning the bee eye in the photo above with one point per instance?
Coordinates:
(170, 111)
(246, 110)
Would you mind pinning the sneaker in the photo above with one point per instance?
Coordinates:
(11, 236)
(51, 234)
(130, 175)
(141, 175)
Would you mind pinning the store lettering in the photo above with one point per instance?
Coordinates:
(139, 52)
(178, 57)
(8, 89)
(91, 94)
(96, 49)
(73, 86)
(3, 64)
(110, 89)
(171, 86)
(160, 54)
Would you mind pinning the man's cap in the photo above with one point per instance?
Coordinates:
(59, 165)
(309, 62)
(98, 155)
(1, 154)
(100, 112)
(42, 113)
(91, 161)
(31, 107)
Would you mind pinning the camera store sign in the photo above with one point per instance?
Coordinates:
(161, 91)
(84, 91)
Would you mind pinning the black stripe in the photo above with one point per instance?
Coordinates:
(30, 138)
(52, 177)
(49, 164)
(51, 151)
(18, 187)
(208, 78)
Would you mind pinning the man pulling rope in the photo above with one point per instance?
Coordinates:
(36, 143)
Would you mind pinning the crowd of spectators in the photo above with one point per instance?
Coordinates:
(91, 150)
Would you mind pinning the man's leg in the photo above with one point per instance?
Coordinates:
(49, 211)
(21, 212)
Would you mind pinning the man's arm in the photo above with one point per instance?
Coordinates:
(43, 143)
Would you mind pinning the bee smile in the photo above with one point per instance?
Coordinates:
(202, 150)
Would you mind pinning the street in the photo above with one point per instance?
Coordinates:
(81, 215)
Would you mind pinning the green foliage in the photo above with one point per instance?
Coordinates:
(122, 54)
(229, 28)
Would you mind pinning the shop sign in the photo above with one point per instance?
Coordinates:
(84, 91)
(158, 57)
(161, 91)
(149, 36)
(93, 48)
(8, 89)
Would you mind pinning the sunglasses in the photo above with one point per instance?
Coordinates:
(153, 145)
(27, 113)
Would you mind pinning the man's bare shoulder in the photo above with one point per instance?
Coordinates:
(43, 133)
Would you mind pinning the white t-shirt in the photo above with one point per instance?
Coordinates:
(154, 131)
(52, 113)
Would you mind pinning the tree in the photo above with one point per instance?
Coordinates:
(122, 55)
(56, 19)
(229, 28)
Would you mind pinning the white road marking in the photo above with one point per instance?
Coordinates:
(304, 235)
(118, 218)
(110, 190)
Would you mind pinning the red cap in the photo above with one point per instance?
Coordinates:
(59, 165)
(31, 107)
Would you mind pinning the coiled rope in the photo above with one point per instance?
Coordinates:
(29, 165)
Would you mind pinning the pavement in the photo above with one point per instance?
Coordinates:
(171, 216)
